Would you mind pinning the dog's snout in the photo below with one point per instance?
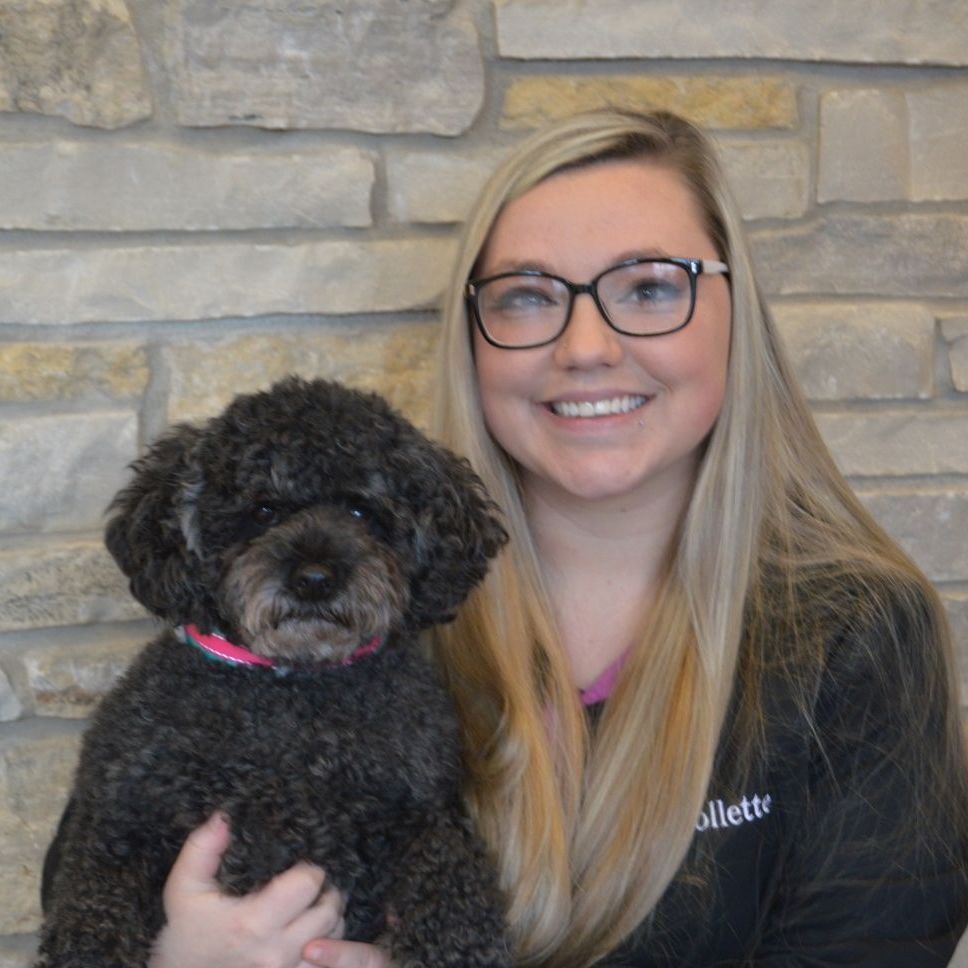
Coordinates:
(314, 580)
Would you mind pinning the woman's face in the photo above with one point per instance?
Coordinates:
(668, 390)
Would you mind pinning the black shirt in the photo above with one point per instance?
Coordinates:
(812, 862)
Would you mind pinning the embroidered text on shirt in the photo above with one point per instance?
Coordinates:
(718, 814)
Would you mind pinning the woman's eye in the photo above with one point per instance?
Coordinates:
(522, 300)
(653, 292)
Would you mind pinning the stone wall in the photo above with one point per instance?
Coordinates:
(197, 196)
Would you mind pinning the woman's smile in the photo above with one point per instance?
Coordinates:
(607, 407)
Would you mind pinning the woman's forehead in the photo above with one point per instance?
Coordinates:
(612, 210)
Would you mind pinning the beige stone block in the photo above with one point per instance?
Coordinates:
(71, 583)
(955, 333)
(78, 59)
(18, 952)
(60, 471)
(67, 679)
(131, 187)
(909, 254)
(863, 146)
(36, 768)
(928, 32)
(429, 185)
(10, 705)
(372, 65)
(713, 102)
(392, 359)
(213, 280)
(72, 371)
(769, 180)
(939, 159)
(869, 351)
(930, 524)
(897, 443)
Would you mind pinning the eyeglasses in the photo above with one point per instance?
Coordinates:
(639, 297)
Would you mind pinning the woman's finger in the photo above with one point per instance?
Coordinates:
(327, 953)
(323, 920)
(286, 896)
(197, 862)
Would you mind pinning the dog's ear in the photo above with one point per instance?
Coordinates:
(458, 529)
(150, 532)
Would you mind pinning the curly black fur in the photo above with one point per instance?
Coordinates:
(301, 522)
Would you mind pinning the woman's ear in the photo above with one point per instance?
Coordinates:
(150, 531)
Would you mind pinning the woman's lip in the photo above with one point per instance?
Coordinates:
(617, 404)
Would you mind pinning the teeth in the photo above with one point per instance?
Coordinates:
(600, 408)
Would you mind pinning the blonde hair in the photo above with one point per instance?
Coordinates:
(589, 830)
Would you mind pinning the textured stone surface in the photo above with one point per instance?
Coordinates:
(113, 187)
(35, 771)
(919, 32)
(72, 371)
(930, 525)
(62, 470)
(224, 278)
(17, 952)
(68, 680)
(769, 180)
(896, 443)
(10, 705)
(868, 351)
(939, 162)
(370, 65)
(72, 583)
(425, 185)
(863, 146)
(924, 254)
(393, 360)
(956, 336)
(79, 59)
(714, 102)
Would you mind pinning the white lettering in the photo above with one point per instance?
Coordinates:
(719, 815)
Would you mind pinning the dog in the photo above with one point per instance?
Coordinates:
(294, 546)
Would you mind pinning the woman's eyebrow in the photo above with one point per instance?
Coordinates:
(538, 265)
(519, 265)
(644, 253)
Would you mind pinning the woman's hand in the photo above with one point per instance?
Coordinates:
(327, 953)
(269, 928)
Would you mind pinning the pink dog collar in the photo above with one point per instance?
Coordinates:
(217, 647)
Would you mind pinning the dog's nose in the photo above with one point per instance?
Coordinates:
(313, 580)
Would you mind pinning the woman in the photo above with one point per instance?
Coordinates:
(708, 713)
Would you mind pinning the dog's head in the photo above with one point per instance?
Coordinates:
(301, 522)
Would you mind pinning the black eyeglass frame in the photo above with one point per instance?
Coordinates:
(694, 268)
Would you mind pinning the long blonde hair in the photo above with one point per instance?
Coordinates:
(589, 829)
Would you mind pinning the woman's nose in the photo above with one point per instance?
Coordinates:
(588, 340)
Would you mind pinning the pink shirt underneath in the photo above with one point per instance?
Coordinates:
(604, 685)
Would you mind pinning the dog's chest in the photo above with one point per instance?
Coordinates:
(379, 740)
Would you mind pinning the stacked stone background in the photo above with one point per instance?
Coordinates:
(198, 196)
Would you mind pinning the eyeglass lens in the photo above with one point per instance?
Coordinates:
(641, 299)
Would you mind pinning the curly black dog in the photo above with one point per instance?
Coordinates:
(296, 544)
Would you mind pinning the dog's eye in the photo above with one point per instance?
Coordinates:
(370, 521)
(265, 514)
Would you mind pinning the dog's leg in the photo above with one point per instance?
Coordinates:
(445, 910)
(103, 911)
